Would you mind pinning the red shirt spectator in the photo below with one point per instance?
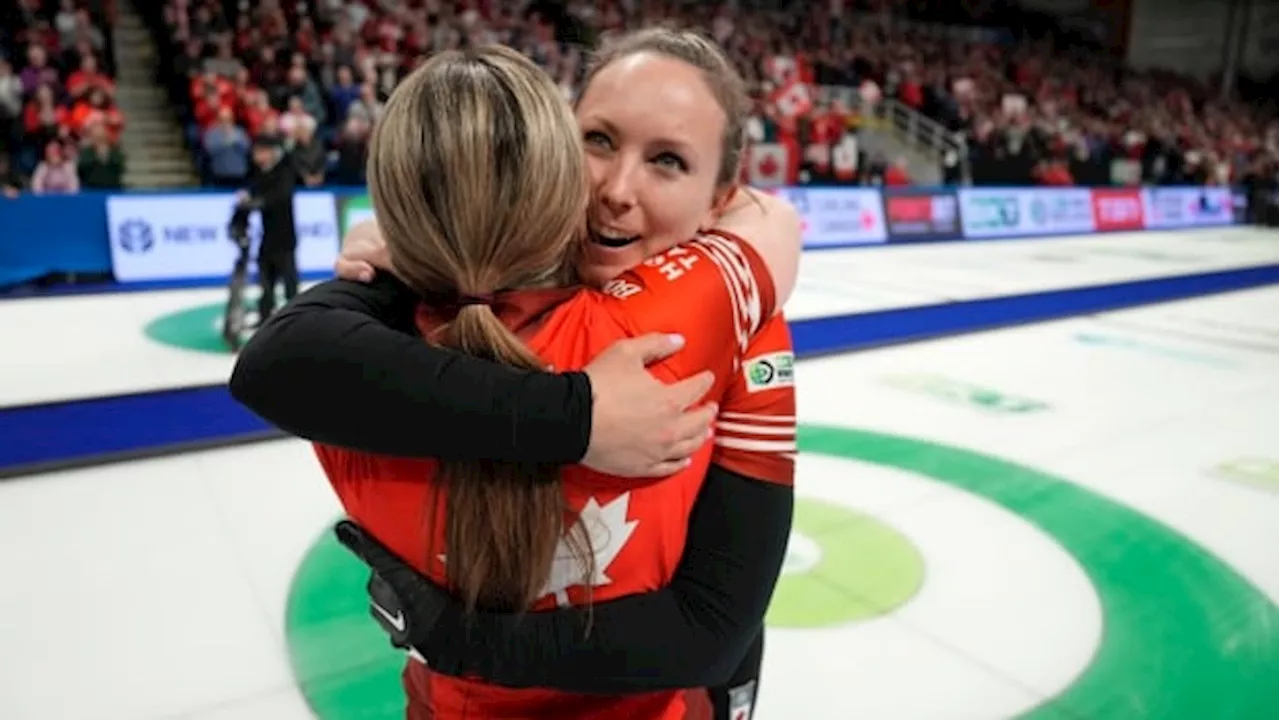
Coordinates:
(87, 78)
(896, 175)
(1055, 174)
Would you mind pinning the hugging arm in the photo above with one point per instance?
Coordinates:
(342, 364)
(693, 632)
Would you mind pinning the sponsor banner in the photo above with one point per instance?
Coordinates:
(960, 392)
(921, 214)
(1118, 209)
(838, 216)
(355, 209)
(1258, 472)
(1179, 207)
(1240, 203)
(175, 237)
(989, 213)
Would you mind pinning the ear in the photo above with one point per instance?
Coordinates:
(720, 202)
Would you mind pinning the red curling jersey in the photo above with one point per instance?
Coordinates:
(717, 292)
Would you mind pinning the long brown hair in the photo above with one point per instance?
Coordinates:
(478, 181)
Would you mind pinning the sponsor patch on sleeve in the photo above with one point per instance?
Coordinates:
(769, 371)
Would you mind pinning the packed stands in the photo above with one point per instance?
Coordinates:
(59, 126)
(1024, 102)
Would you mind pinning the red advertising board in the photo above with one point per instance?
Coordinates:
(917, 209)
(1117, 209)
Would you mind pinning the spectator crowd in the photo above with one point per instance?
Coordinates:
(59, 124)
(1015, 106)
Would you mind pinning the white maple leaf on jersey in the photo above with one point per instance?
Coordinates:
(608, 528)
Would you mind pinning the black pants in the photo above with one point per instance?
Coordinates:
(273, 269)
(737, 699)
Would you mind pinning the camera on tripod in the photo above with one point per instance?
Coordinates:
(233, 318)
(238, 229)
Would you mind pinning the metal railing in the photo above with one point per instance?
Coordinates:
(917, 131)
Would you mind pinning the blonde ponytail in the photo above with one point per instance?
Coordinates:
(479, 184)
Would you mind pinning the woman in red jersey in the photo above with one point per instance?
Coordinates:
(695, 631)
(477, 231)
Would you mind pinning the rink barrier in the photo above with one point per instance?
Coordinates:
(147, 240)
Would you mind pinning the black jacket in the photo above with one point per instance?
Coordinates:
(271, 192)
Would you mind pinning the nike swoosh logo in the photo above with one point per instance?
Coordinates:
(397, 620)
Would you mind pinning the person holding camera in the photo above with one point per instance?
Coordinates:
(271, 192)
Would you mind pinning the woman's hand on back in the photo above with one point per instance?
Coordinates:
(641, 427)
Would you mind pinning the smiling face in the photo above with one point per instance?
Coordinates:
(654, 135)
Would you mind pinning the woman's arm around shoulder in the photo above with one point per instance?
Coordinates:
(774, 228)
(342, 365)
(691, 633)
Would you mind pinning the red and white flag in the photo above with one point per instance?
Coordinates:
(767, 165)
(793, 100)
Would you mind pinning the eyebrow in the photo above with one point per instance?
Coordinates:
(678, 146)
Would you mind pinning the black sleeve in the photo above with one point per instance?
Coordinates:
(692, 633)
(343, 365)
(275, 186)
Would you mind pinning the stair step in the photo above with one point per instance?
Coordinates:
(147, 111)
(158, 139)
(138, 87)
(167, 150)
(144, 108)
(154, 137)
(151, 123)
(180, 173)
(141, 97)
(143, 54)
(147, 150)
(186, 179)
(161, 164)
(169, 131)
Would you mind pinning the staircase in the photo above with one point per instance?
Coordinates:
(893, 130)
(152, 140)
(907, 133)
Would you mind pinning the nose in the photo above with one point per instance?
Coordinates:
(616, 187)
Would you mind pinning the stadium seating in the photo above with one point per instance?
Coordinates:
(59, 126)
(1027, 102)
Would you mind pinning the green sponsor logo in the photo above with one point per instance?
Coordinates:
(770, 371)
(355, 209)
(995, 213)
(964, 393)
(1255, 472)
(1128, 343)
(1039, 211)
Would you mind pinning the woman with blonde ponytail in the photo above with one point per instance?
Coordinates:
(480, 188)
(471, 221)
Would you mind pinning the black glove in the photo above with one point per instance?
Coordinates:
(404, 603)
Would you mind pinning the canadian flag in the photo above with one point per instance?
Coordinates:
(781, 68)
(793, 100)
(844, 158)
(768, 165)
